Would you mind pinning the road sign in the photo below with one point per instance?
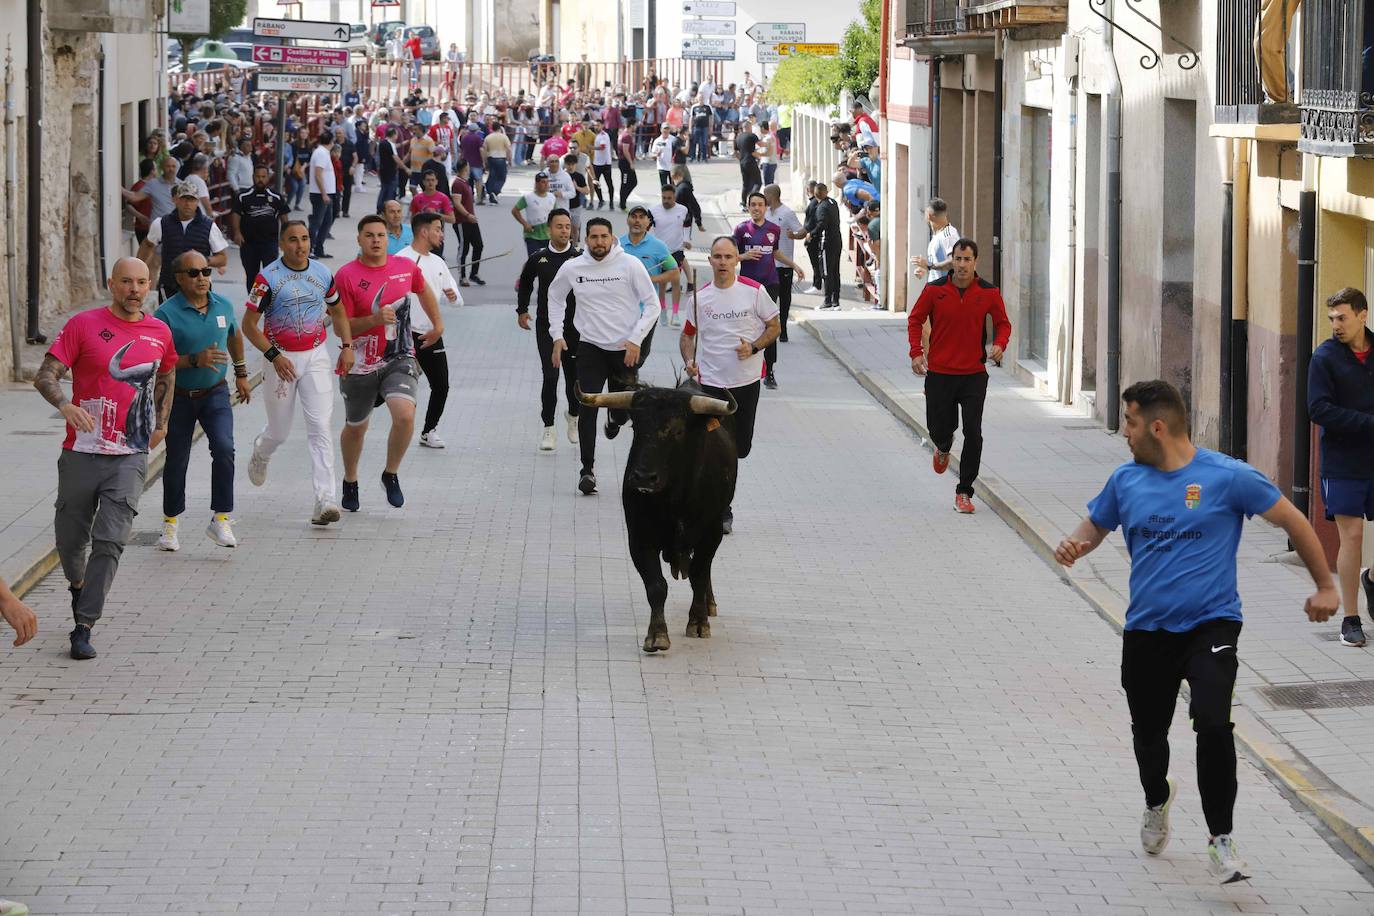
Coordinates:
(708, 7)
(767, 54)
(279, 81)
(300, 57)
(774, 32)
(301, 28)
(708, 26)
(818, 49)
(708, 48)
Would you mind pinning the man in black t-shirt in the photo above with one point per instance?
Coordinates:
(751, 179)
(700, 149)
(255, 223)
(389, 167)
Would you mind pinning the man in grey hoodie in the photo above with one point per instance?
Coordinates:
(617, 308)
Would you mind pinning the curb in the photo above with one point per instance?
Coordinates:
(1346, 817)
(39, 568)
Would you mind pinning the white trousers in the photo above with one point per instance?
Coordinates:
(314, 389)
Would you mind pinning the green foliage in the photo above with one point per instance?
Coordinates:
(224, 15)
(805, 79)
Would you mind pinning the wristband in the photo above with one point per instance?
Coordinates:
(271, 354)
(754, 348)
(241, 364)
(240, 372)
(192, 359)
(346, 346)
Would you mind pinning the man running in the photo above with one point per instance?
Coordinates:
(955, 370)
(542, 266)
(786, 219)
(672, 225)
(722, 344)
(758, 241)
(651, 252)
(374, 289)
(123, 367)
(424, 251)
(1181, 508)
(292, 298)
(616, 310)
(603, 155)
(255, 224)
(532, 211)
(465, 227)
(184, 229)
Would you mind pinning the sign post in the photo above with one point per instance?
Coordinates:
(269, 81)
(708, 48)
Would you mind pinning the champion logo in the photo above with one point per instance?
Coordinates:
(597, 279)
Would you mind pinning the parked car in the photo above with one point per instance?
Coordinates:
(359, 39)
(379, 34)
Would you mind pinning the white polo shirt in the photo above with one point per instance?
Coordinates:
(740, 311)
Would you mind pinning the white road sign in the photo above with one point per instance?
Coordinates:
(301, 28)
(708, 7)
(774, 32)
(268, 81)
(767, 54)
(708, 48)
(708, 26)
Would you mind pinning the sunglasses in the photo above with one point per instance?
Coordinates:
(197, 272)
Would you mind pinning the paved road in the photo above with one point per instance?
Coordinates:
(445, 708)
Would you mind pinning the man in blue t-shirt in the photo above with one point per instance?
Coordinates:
(639, 242)
(1182, 508)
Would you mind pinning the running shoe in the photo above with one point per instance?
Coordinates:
(431, 439)
(612, 429)
(81, 643)
(326, 511)
(221, 531)
(783, 336)
(463, 281)
(769, 381)
(572, 427)
(479, 281)
(1227, 864)
(675, 321)
(963, 504)
(350, 495)
(940, 462)
(392, 483)
(1154, 827)
(587, 483)
(1352, 632)
(13, 908)
(549, 441)
(727, 521)
(168, 541)
(257, 467)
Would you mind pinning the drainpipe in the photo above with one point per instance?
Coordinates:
(1240, 306)
(997, 154)
(1307, 288)
(1112, 97)
(100, 166)
(935, 127)
(12, 217)
(34, 126)
(1069, 321)
(1227, 294)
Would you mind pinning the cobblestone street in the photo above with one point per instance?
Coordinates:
(445, 708)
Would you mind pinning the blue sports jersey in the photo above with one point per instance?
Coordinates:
(293, 303)
(1182, 529)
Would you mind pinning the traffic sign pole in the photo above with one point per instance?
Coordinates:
(287, 30)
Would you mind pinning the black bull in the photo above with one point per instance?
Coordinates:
(679, 480)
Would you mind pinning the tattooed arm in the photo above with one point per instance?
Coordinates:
(49, 384)
(162, 405)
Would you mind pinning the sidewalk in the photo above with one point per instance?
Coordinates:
(1304, 705)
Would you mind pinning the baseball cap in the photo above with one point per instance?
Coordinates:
(872, 206)
(184, 189)
(541, 174)
(640, 208)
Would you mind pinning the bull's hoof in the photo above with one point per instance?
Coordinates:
(657, 643)
(711, 609)
(700, 630)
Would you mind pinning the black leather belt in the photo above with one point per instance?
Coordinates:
(195, 393)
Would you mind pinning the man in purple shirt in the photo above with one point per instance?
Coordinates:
(757, 240)
(470, 146)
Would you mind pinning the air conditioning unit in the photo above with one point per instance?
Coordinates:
(126, 16)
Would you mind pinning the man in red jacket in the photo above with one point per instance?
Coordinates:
(955, 370)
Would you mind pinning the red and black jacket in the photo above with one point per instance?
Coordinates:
(958, 339)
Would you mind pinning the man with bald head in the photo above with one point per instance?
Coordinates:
(398, 234)
(123, 366)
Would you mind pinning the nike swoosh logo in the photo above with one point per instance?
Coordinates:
(1216, 649)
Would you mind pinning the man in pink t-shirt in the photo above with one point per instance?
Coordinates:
(432, 200)
(374, 291)
(123, 364)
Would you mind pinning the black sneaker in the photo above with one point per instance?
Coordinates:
(587, 483)
(783, 337)
(1352, 632)
(478, 280)
(81, 643)
(727, 521)
(393, 489)
(769, 381)
(612, 429)
(350, 497)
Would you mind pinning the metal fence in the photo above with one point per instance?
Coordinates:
(1237, 72)
(933, 17)
(391, 80)
(1336, 101)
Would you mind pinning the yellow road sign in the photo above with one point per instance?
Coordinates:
(819, 49)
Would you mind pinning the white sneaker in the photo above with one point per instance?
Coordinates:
(1227, 864)
(572, 428)
(257, 467)
(169, 541)
(1154, 827)
(549, 441)
(326, 511)
(221, 531)
(675, 320)
(431, 439)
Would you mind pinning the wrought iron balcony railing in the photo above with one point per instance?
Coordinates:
(1337, 79)
(926, 18)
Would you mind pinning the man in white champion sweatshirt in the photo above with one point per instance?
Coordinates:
(617, 309)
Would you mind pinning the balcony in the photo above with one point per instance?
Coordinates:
(1337, 82)
(937, 28)
(1017, 14)
(1240, 96)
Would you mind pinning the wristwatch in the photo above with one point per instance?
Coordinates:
(271, 354)
(193, 360)
(753, 348)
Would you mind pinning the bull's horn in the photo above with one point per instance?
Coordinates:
(614, 400)
(714, 407)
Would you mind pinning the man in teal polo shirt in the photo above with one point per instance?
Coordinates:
(206, 334)
(398, 234)
(654, 255)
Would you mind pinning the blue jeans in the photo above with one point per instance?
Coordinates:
(496, 175)
(216, 417)
(321, 219)
(388, 192)
(415, 69)
(769, 170)
(700, 147)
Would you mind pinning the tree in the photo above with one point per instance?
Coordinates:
(804, 79)
(859, 48)
(224, 15)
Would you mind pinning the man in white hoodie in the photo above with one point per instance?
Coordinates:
(617, 306)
